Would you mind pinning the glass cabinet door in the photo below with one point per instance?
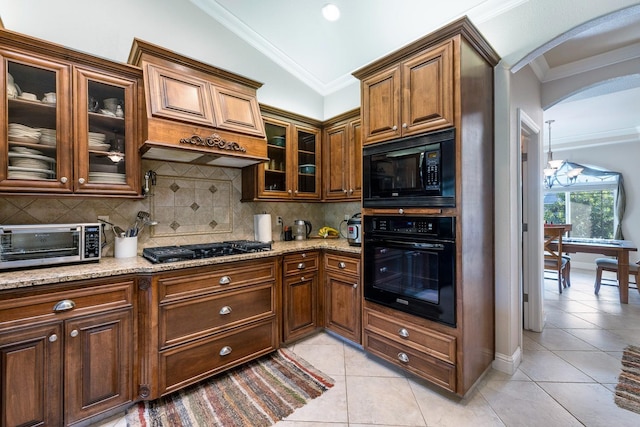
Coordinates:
(275, 170)
(36, 130)
(308, 157)
(105, 137)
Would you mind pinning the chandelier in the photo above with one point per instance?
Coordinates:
(554, 172)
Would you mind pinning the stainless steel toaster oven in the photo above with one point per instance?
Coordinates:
(24, 246)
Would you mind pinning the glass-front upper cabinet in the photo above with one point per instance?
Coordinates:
(275, 169)
(36, 141)
(308, 163)
(105, 142)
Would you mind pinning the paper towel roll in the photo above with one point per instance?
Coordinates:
(262, 227)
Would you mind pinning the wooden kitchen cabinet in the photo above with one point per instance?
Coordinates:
(68, 142)
(413, 96)
(300, 295)
(342, 157)
(343, 296)
(293, 169)
(200, 321)
(67, 352)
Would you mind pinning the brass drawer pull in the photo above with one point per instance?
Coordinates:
(64, 305)
(301, 266)
(225, 310)
(225, 350)
(403, 333)
(341, 264)
(403, 357)
(225, 280)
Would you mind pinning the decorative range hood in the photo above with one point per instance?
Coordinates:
(197, 113)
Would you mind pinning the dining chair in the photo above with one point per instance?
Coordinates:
(553, 258)
(611, 264)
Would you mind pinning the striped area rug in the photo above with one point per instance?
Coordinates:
(258, 393)
(628, 389)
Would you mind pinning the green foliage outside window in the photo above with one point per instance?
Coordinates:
(590, 212)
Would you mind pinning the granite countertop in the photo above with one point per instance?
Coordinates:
(110, 266)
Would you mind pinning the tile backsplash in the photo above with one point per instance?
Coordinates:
(192, 204)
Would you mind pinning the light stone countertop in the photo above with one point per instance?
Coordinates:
(110, 266)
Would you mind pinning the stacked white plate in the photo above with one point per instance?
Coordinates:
(48, 137)
(26, 163)
(96, 141)
(22, 133)
(107, 178)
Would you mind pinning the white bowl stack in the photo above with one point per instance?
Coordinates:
(96, 141)
(48, 137)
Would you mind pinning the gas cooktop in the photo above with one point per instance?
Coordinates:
(163, 254)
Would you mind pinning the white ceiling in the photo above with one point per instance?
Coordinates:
(323, 54)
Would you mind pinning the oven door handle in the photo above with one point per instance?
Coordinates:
(415, 245)
(421, 169)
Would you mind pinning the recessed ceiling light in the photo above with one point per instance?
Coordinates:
(331, 12)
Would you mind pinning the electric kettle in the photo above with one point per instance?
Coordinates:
(301, 229)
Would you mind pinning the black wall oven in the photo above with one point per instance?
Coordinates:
(410, 265)
(416, 171)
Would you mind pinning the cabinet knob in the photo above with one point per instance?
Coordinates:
(403, 357)
(401, 211)
(302, 278)
(301, 266)
(225, 280)
(225, 350)
(296, 192)
(403, 333)
(304, 255)
(289, 191)
(53, 338)
(225, 310)
(351, 191)
(355, 285)
(74, 333)
(394, 128)
(341, 264)
(404, 126)
(64, 179)
(81, 180)
(64, 305)
(344, 191)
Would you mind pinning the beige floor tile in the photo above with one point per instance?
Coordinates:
(520, 403)
(285, 423)
(565, 320)
(494, 375)
(443, 410)
(329, 358)
(558, 339)
(600, 366)
(600, 338)
(547, 366)
(592, 404)
(378, 400)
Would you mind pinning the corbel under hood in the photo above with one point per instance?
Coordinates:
(197, 113)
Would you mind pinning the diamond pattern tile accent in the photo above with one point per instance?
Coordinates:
(174, 225)
(174, 187)
(213, 224)
(195, 206)
(213, 189)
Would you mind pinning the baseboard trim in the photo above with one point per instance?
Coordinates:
(507, 363)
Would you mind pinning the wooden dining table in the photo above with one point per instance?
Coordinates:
(610, 247)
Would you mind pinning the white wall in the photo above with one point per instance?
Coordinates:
(107, 29)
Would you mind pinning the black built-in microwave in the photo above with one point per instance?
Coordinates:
(415, 171)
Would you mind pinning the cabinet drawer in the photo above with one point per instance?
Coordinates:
(430, 368)
(342, 264)
(193, 362)
(423, 340)
(219, 278)
(297, 263)
(194, 318)
(90, 298)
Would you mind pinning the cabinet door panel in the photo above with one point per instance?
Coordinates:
(30, 376)
(381, 106)
(355, 154)
(300, 305)
(237, 111)
(342, 305)
(98, 363)
(178, 96)
(335, 167)
(428, 91)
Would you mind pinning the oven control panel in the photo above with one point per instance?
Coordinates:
(442, 227)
